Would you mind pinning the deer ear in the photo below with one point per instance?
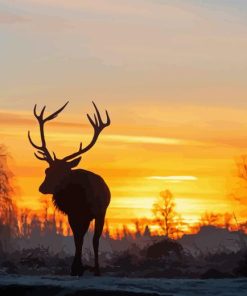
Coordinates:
(74, 162)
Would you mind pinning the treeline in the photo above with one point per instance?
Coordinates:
(48, 222)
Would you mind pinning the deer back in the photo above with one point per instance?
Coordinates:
(82, 192)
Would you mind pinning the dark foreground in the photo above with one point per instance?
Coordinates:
(68, 286)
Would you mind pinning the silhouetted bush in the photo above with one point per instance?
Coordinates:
(9, 267)
(163, 248)
(126, 261)
(213, 273)
(241, 270)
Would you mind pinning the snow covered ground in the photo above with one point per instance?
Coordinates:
(88, 285)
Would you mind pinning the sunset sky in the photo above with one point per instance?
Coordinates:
(172, 75)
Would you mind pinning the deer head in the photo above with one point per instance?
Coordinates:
(59, 168)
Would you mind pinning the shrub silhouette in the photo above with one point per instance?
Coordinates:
(164, 248)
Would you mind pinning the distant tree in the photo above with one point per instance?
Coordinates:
(228, 218)
(147, 232)
(240, 195)
(165, 214)
(50, 227)
(210, 219)
(24, 225)
(117, 234)
(60, 227)
(138, 230)
(217, 219)
(8, 217)
(107, 230)
(180, 224)
(68, 231)
(35, 227)
(126, 232)
(194, 228)
(140, 226)
(45, 207)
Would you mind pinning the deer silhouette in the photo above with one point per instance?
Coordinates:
(82, 195)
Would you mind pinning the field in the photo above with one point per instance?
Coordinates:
(66, 285)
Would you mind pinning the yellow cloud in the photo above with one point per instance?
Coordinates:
(173, 178)
(149, 140)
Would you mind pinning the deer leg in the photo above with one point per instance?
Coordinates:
(79, 229)
(99, 224)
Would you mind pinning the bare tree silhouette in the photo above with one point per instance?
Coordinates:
(8, 211)
(82, 195)
(165, 214)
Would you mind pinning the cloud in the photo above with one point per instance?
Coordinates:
(11, 18)
(173, 178)
(143, 140)
(24, 119)
(149, 140)
(41, 20)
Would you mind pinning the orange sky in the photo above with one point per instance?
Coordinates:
(171, 74)
(192, 157)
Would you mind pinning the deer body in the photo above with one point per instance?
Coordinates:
(80, 194)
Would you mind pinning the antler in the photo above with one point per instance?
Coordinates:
(42, 150)
(98, 126)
